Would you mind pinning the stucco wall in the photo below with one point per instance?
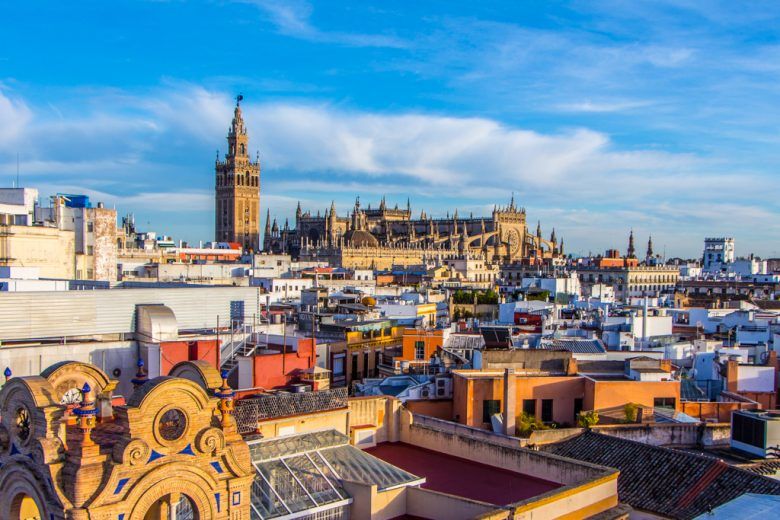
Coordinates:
(381, 411)
(439, 408)
(426, 503)
(609, 394)
(672, 435)
(50, 249)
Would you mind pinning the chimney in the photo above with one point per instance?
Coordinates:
(571, 366)
(510, 401)
(732, 376)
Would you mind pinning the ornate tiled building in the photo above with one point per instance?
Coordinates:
(382, 237)
(68, 450)
(237, 216)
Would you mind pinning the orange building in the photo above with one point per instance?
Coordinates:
(420, 345)
(478, 394)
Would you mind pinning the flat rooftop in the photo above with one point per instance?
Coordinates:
(461, 477)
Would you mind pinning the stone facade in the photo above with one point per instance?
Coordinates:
(237, 216)
(67, 451)
(381, 238)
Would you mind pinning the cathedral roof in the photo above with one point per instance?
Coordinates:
(360, 238)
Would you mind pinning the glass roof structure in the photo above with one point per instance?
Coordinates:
(300, 476)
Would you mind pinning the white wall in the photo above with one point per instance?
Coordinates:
(109, 355)
(756, 378)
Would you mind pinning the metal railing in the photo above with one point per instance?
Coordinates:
(250, 411)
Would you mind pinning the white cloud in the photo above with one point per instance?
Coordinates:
(445, 151)
(152, 154)
(292, 18)
(14, 117)
(589, 106)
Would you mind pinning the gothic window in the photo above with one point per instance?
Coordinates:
(242, 149)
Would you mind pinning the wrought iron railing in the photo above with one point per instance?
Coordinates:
(250, 411)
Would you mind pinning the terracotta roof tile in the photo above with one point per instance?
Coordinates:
(664, 481)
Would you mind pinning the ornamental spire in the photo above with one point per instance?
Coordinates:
(631, 253)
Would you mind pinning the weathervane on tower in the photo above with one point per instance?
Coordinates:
(239, 99)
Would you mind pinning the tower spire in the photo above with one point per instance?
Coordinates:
(238, 185)
(631, 253)
(650, 247)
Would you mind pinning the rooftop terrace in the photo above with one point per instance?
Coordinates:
(461, 477)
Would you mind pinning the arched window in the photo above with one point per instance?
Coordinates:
(24, 507)
(173, 507)
(242, 148)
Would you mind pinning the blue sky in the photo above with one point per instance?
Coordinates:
(601, 116)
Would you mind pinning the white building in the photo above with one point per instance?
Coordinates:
(21, 279)
(717, 251)
(17, 206)
(284, 289)
(569, 284)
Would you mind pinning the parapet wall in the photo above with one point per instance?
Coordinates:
(671, 435)
(494, 450)
(379, 411)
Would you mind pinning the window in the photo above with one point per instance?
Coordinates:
(365, 363)
(419, 350)
(90, 227)
(377, 362)
(577, 408)
(355, 366)
(490, 407)
(664, 402)
(529, 406)
(748, 430)
(90, 250)
(338, 365)
(547, 410)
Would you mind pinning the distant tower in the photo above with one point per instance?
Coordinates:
(650, 247)
(267, 235)
(631, 253)
(238, 189)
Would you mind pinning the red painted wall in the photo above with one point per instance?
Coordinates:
(173, 352)
(278, 370)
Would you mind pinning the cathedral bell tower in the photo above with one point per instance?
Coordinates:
(237, 217)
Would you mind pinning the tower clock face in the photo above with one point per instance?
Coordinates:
(513, 238)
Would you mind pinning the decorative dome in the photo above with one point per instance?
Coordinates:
(360, 238)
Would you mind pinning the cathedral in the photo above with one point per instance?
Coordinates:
(383, 237)
(366, 238)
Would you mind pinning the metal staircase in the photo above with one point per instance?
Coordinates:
(246, 346)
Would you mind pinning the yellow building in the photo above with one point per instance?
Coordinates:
(51, 250)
